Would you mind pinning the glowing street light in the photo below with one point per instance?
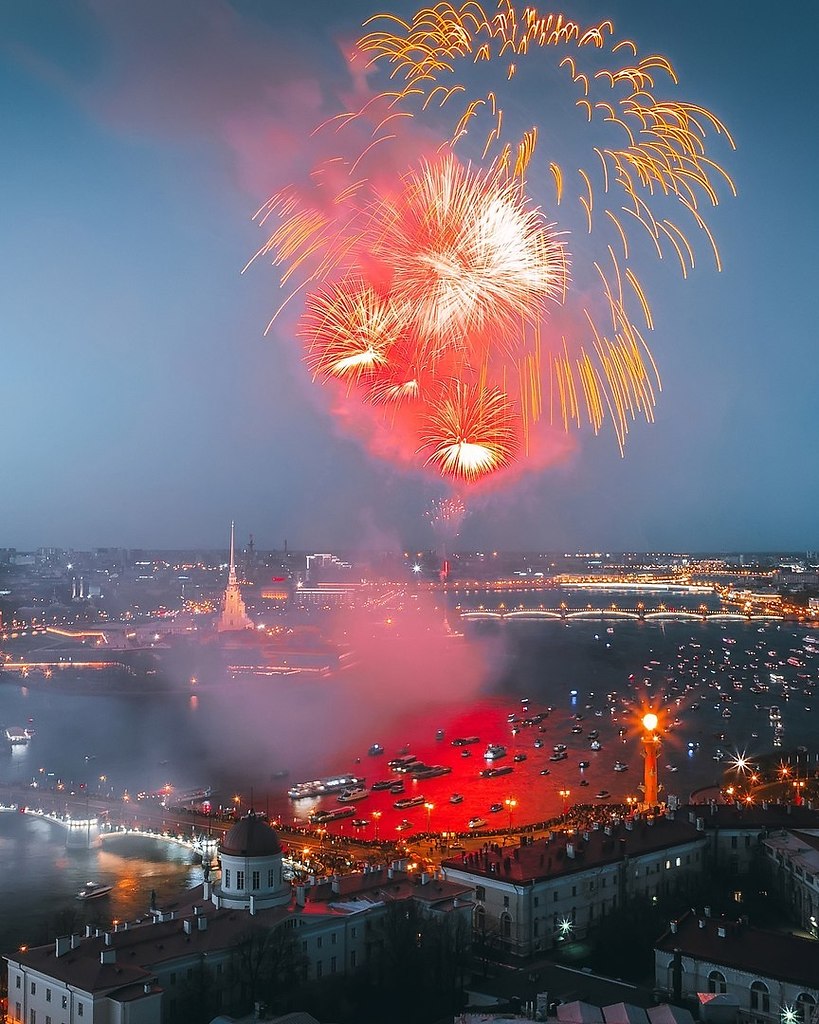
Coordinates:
(429, 808)
(376, 819)
(564, 794)
(651, 745)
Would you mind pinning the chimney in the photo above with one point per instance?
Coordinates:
(108, 956)
(701, 922)
(629, 826)
(301, 895)
(586, 836)
(425, 877)
(335, 884)
(89, 931)
(650, 820)
(673, 927)
(721, 931)
(764, 805)
(146, 988)
(207, 890)
(109, 939)
(75, 941)
(607, 830)
(197, 910)
(202, 923)
(692, 816)
(63, 945)
(700, 824)
(252, 907)
(187, 926)
(570, 850)
(707, 911)
(596, 826)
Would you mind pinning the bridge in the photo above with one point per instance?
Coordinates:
(611, 613)
(88, 832)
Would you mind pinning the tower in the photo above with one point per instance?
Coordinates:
(234, 615)
(651, 747)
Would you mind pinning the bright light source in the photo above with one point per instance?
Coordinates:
(650, 721)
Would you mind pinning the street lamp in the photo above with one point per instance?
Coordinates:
(429, 808)
(651, 744)
(565, 794)
(376, 819)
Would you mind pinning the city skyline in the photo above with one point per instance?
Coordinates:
(144, 407)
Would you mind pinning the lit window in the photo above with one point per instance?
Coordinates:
(678, 861)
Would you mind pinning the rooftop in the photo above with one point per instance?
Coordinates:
(564, 853)
(775, 955)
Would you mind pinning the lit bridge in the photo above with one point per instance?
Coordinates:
(610, 614)
(86, 833)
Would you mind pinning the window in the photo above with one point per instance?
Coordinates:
(271, 878)
(536, 928)
(33, 1017)
(218, 968)
(304, 946)
(65, 1002)
(506, 926)
(318, 942)
(733, 842)
(574, 890)
(318, 969)
(173, 977)
(480, 919)
(353, 933)
(332, 965)
(18, 1011)
(805, 1007)
(554, 896)
(678, 862)
(240, 879)
(80, 1009)
(33, 988)
(668, 865)
(352, 959)
(480, 892)
(48, 1019)
(333, 938)
(189, 973)
(760, 997)
(17, 981)
(256, 880)
(227, 878)
(716, 983)
(747, 842)
(537, 901)
(506, 902)
(48, 995)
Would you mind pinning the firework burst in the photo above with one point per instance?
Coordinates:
(437, 289)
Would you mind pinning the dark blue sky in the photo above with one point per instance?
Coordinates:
(141, 404)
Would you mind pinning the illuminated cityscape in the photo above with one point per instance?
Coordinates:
(409, 586)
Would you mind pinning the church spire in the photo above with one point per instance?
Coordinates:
(232, 573)
(233, 615)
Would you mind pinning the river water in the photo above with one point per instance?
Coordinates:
(404, 682)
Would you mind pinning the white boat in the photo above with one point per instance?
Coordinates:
(349, 796)
(476, 822)
(603, 794)
(409, 801)
(16, 736)
(494, 751)
(456, 798)
(320, 787)
(620, 767)
(93, 890)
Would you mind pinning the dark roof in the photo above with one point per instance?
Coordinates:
(250, 837)
(775, 955)
(565, 854)
(758, 815)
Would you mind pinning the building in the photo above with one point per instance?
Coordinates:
(533, 896)
(793, 857)
(140, 972)
(773, 977)
(234, 614)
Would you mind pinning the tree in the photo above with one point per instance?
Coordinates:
(266, 966)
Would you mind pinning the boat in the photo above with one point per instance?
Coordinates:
(402, 762)
(559, 755)
(349, 796)
(476, 822)
(375, 750)
(582, 765)
(520, 757)
(466, 753)
(465, 741)
(545, 771)
(456, 798)
(382, 784)
(495, 808)
(93, 891)
(439, 735)
(494, 751)
(409, 801)
(360, 822)
(321, 787)
(595, 745)
(538, 744)
(603, 794)
(16, 736)
(493, 773)
(620, 767)
(336, 814)
(405, 826)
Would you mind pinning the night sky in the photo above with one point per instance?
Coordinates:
(141, 403)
